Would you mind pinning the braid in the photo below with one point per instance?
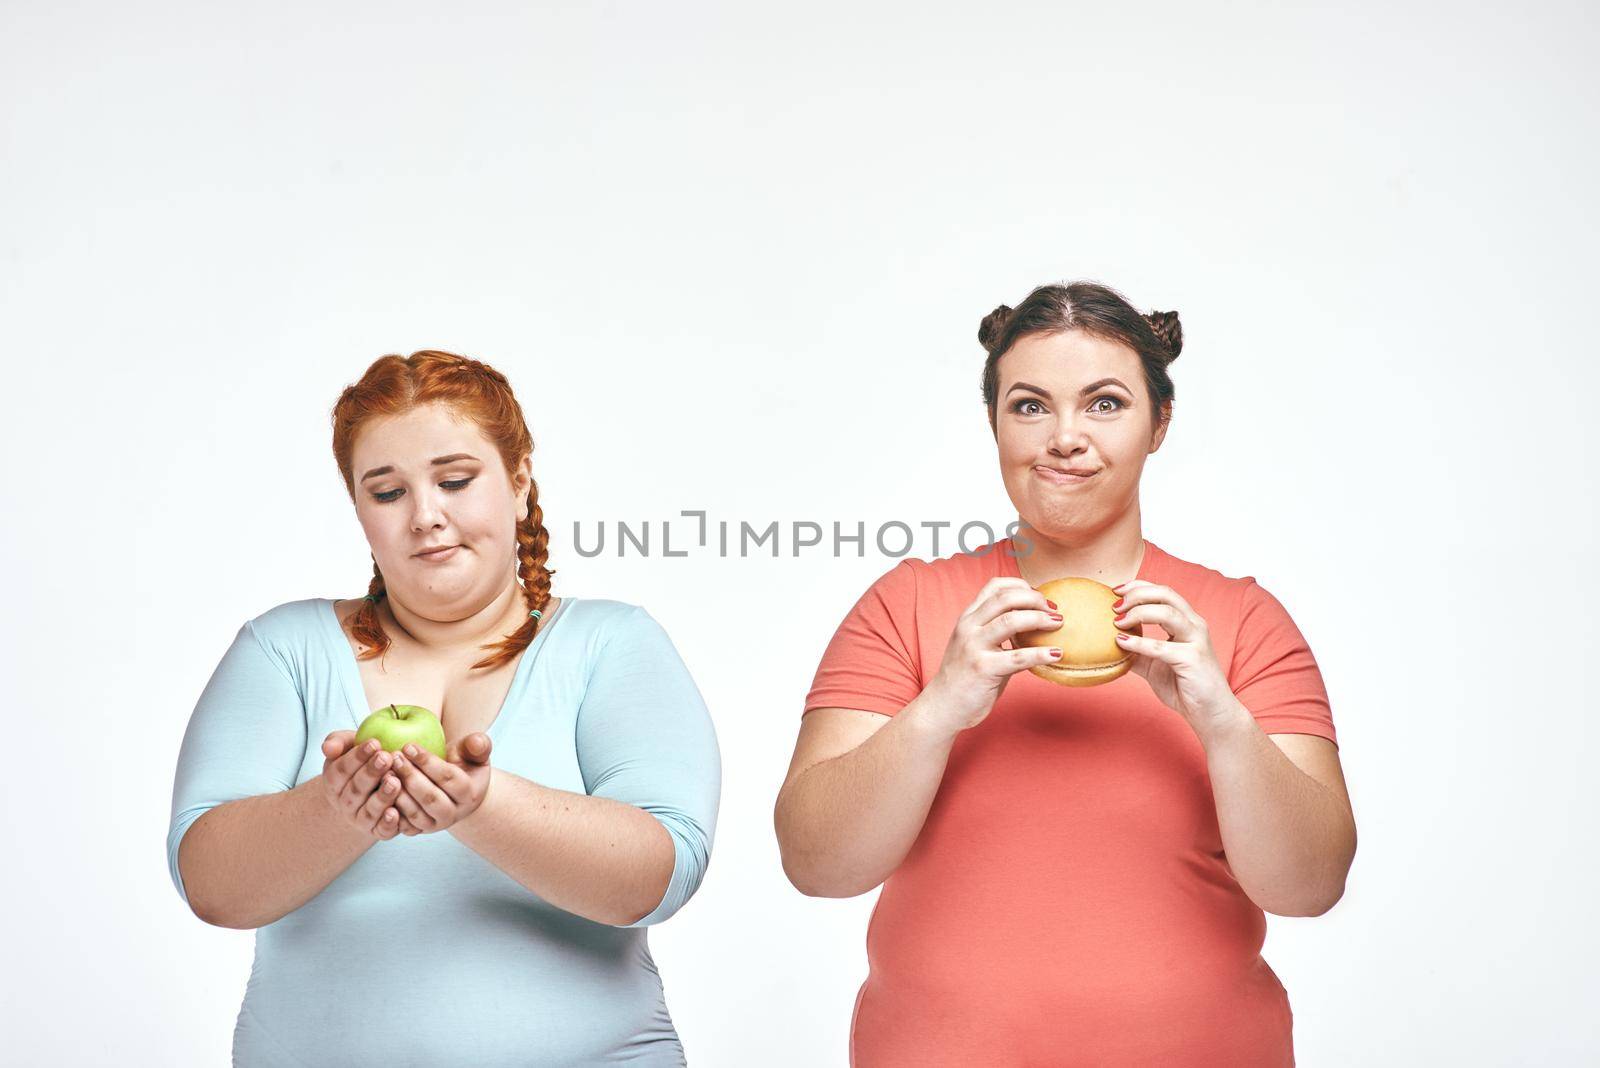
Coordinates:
(533, 549)
(366, 626)
(474, 392)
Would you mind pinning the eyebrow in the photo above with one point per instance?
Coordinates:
(452, 458)
(1084, 392)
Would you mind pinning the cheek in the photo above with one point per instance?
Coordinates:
(1017, 447)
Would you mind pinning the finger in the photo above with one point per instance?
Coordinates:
(414, 815)
(388, 824)
(1142, 592)
(990, 588)
(1011, 661)
(435, 806)
(1008, 600)
(1178, 627)
(475, 748)
(348, 763)
(409, 829)
(1165, 651)
(372, 809)
(443, 774)
(351, 762)
(365, 780)
(337, 744)
(1015, 622)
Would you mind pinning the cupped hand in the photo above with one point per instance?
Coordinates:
(437, 794)
(358, 785)
(976, 665)
(1182, 670)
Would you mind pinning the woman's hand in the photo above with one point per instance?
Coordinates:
(356, 784)
(976, 665)
(437, 794)
(1182, 670)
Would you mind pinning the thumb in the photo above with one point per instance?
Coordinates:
(475, 748)
(335, 744)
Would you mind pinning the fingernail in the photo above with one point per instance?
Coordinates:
(1123, 636)
(372, 745)
(1056, 616)
(1051, 603)
(1117, 607)
(1055, 654)
(411, 751)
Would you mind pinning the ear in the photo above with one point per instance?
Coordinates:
(521, 483)
(1161, 432)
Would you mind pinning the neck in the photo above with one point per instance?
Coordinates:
(488, 624)
(1111, 555)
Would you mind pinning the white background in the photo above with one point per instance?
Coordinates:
(733, 257)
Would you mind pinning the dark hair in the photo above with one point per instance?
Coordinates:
(475, 392)
(1095, 309)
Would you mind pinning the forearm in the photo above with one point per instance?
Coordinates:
(595, 857)
(249, 862)
(845, 824)
(1289, 839)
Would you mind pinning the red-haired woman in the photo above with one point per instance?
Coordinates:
(487, 908)
(1071, 876)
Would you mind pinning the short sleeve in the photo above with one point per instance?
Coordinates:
(645, 738)
(872, 662)
(1273, 672)
(246, 736)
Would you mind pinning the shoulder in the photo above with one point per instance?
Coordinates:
(1208, 590)
(592, 623)
(290, 621)
(1236, 608)
(288, 635)
(915, 581)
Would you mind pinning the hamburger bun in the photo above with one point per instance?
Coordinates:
(1087, 636)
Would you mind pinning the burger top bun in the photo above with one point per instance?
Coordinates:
(1087, 636)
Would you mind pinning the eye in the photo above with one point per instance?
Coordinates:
(1107, 396)
(1017, 405)
(454, 486)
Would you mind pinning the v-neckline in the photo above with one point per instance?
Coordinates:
(356, 692)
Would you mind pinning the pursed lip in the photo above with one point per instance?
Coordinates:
(1062, 472)
(435, 549)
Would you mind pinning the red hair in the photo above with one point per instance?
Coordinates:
(476, 392)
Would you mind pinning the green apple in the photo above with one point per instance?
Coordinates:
(395, 726)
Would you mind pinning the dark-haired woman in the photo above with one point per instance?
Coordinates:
(1071, 876)
(487, 908)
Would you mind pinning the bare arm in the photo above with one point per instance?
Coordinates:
(249, 862)
(858, 791)
(1285, 816)
(860, 784)
(601, 859)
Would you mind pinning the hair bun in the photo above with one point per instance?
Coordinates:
(993, 325)
(1168, 329)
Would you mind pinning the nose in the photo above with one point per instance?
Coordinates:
(426, 512)
(1067, 437)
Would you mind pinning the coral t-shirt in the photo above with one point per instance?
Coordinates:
(1068, 901)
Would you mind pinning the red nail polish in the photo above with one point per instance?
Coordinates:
(1118, 606)
(1051, 603)
(1123, 636)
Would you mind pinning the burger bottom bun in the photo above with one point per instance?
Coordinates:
(1082, 676)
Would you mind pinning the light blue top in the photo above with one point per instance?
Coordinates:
(422, 952)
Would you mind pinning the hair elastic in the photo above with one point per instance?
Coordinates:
(536, 614)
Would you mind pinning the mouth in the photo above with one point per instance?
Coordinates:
(1059, 477)
(439, 554)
